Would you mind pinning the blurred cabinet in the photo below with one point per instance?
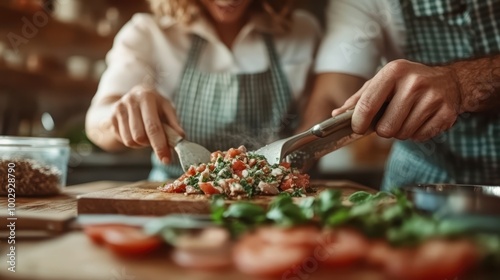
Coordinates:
(51, 57)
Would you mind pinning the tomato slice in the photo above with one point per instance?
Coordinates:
(96, 232)
(130, 241)
(254, 256)
(434, 259)
(208, 188)
(238, 165)
(343, 247)
(443, 259)
(305, 235)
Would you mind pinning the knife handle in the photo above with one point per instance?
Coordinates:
(333, 124)
(172, 136)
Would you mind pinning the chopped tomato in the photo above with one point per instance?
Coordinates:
(208, 188)
(285, 164)
(295, 181)
(232, 153)
(254, 256)
(201, 168)
(130, 241)
(239, 173)
(174, 188)
(238, 165)
(343, 247)
(215, 155)
(191, 171)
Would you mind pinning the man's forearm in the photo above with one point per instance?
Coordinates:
(479, 82)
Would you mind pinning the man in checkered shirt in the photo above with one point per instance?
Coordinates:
(443, 97)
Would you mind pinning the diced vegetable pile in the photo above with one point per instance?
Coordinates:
(238, 173)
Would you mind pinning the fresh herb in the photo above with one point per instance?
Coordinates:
(256, 156)
(238, 217)
(390, 216)
(193, 181)
(249, 189)
(284, 212)
(297, 193)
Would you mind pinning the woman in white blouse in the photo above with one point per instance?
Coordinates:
(221, 72)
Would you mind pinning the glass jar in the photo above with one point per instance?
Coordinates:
(33, 166)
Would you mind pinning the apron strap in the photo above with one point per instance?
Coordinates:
(197, 44)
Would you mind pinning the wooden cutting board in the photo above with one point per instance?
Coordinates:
(52, 213)
(143, 198)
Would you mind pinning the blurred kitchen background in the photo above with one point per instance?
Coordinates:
(51, 58)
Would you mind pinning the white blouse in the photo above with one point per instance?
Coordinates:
(147, 51)
(361, 36)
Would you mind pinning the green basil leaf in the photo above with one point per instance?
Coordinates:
(287, 215)
(364, 209)
(246, 211)
(328, 200)
(218, 206)
(307, 207)
(381, 195)
(360, 197)
(281, 200)
(340, 217)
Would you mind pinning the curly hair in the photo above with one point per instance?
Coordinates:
(186, 11)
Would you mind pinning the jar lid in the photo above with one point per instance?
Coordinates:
(14, 141)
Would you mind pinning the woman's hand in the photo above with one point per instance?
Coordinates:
(137, 119)
(423, 101)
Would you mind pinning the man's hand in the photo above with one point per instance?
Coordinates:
(423, 101)
(137, 119)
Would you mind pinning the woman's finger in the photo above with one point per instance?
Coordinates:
(136, 124)
(122, 120)
(153, 126)
(169, 111)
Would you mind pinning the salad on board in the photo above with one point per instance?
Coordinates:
(237, 173)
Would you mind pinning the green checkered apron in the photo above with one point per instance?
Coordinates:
(225, 110)
(442, 31)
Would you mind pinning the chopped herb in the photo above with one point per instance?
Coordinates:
(193, 181)
(249, 189)
(298, 192)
